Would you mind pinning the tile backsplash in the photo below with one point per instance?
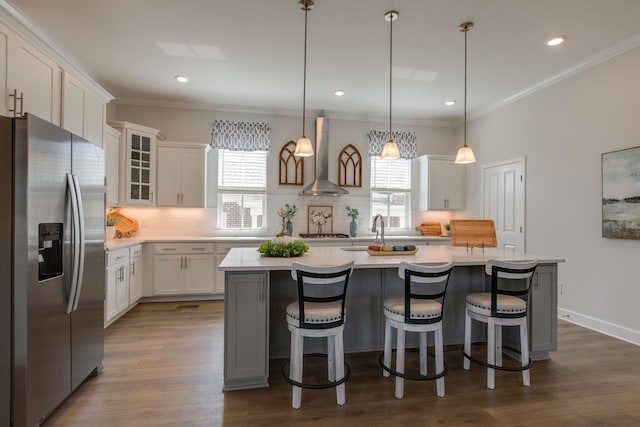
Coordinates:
(197, 222)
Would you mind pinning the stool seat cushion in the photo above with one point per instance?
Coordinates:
(480, 303)
(314, 312)
(420, 309)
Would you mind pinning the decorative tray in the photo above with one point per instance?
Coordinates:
(391, 253)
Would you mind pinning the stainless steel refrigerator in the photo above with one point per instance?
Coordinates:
(52, 208)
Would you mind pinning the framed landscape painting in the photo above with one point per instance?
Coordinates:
(621, 194)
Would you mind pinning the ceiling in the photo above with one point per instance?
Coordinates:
(248, 55)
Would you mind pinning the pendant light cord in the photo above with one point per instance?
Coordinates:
(304, 84)
(390, 74)
(466, 30)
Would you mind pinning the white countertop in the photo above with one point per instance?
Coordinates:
(243, 259)
(130, 241)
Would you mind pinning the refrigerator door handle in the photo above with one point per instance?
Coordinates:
(82, 242)
(75, 244)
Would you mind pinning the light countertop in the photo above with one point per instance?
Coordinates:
(130, 241)
(243, 259)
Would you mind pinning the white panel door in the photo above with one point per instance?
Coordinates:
(6, 75)
(192, 178)
(73, 93)
(503, 202)
(167, 274)
(198, 274)
(38, 77)
(168, 177)
(94, 118)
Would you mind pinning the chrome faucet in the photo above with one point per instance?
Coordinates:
(375, 230)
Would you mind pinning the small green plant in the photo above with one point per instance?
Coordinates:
(112, 222)
(447, 227)
(289, 211)
(285, 250)
(352, 213)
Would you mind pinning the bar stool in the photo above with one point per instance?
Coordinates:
(505, 305)
(420, 310)
(319, 312)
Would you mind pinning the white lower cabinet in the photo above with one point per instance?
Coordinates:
(135, 274)
(183, 268)
(124, 281)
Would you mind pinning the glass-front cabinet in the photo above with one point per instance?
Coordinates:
(137, 163)
(140, 172)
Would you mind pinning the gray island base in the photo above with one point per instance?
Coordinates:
(258, 289)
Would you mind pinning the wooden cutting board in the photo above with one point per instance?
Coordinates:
(430, 228)
(473, 233)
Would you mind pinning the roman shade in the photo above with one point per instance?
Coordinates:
(240, 136)
(406, 143)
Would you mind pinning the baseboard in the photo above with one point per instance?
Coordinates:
(607, 328)
(179, 298)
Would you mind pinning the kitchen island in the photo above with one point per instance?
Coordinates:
(258, 289)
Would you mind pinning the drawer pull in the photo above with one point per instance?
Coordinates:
(169, 249)
(198, 249)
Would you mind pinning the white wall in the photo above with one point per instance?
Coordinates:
(192, 125)
(563, 131)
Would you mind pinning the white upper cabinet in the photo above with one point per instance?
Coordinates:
(6, 49)
(441, 183)
(31, 81)
(137, 166)
(73, 95)
(36, 80)
(83, 111)
(95, 117)
(181, 174)
(111, 145)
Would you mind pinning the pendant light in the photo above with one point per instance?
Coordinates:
(390, 149)
(465, 153)
(303, 146)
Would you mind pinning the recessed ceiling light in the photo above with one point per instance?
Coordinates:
(556, 40)
(181, 78)
(450, 103)
(338, 93)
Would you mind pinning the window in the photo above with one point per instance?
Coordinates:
(242, 188)
(390, 191)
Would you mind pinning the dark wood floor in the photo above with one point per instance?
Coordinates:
(163, 367)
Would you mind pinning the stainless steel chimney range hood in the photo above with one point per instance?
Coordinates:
(321, 186)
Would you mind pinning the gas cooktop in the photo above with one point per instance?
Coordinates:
(324, 236)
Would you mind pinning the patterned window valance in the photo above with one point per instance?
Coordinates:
(240, 136)
(406, 143)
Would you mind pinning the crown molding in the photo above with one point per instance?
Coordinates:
(240, 109)
(602, 56)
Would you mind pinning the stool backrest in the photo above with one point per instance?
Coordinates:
(424, 282)
(321, 284)
(510, 278)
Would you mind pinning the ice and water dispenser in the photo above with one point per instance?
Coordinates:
(50, 247)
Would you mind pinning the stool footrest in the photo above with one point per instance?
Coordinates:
(410, 376)
(500, 368)
(328, 384)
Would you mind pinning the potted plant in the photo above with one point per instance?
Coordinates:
(288, 212)
(353, 227)
(447, 229)
(110, 228)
